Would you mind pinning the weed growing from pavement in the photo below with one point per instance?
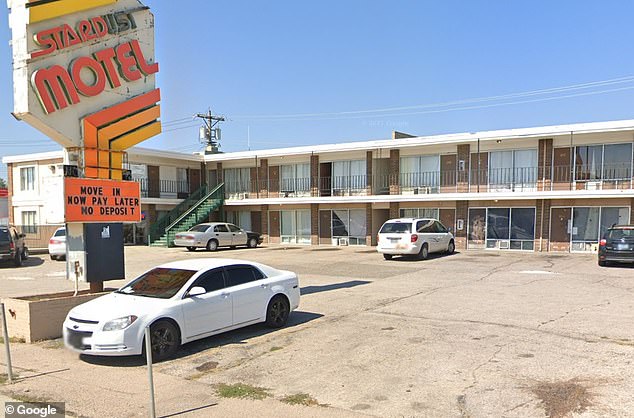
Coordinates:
(240, 390)
(275, 348)
(300, 399)
(13, 340)
(561, 399)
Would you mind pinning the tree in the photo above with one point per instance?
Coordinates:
(3, 184)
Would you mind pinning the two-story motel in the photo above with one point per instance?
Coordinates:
(553, 188)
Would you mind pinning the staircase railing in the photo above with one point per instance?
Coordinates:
(218, 193)
(157, 230)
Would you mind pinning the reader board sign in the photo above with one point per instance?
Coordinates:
(96, 200)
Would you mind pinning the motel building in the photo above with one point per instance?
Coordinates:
(553, 188)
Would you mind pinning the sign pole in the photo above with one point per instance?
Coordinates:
(148, 355)
(7, 349)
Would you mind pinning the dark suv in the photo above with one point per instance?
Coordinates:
(617, 245)
(12, 247)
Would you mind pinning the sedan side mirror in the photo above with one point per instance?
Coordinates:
(22, 235)
(196, 291)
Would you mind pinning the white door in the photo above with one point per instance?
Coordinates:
(238, 236)
(250, 293)
(222, 234)
(210, 312)
(443, 236)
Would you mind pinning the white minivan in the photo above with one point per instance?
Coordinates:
(414, 236)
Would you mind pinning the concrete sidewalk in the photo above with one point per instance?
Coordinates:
(118, 387)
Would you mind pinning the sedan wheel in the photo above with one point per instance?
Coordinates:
(451, 247)
(387, 256)
(277, 312)
(191, 248)
(165, 340)
(212, 245)
(252, 243)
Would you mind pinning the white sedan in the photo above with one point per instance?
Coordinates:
(182, 301)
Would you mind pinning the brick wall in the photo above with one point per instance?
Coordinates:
(314, 175)
(462, 212)
(462, 183)
(274, 226)
(314, 224)
(542, 229)
(368, 172)
(631, 211)
(264, 222)
(263, 178)
(394, 210)
(370, 238)
(395, 171)
(544, 164)
(220, 173)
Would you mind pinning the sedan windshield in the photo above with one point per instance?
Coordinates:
(199, 228)
(162, 283)
(398, 228)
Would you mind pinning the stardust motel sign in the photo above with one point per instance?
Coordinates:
(84, 75)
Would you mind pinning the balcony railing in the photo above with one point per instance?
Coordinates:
(486, 180)
(166, 189)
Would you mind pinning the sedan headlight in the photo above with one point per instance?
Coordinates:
(119, 323)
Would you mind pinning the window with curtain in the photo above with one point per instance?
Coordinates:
(181, 177)
(420, 171)
(27, 179)
(588, 162)
(585, 227)
(420, 213)
(349, 175)
(29, 225)
(240, 218)
(613, 216)
(510, 228)
(350, 224)
(295, 178)
(513, 169)
(237, 180)
(295, 226)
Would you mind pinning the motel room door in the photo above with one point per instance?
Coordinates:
(560, 228)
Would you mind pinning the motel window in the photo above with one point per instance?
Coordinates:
(420, 174)
(241, 218)
(181, 177)
(28, 222)
(603, 162)
(295, 226)
(590, 223)
(27, 179)
(502, 228)
(420, 213)
(513, 169)
(348, 175)
(237, 182)
(295, 179)
(348, 227)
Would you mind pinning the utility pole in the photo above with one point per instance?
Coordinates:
(210, 133)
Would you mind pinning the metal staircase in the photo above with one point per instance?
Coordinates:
(193, 210)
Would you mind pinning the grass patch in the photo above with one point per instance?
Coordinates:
(242, 391)
(27, 398)
(14, 340)
(562, 399)
(275, 348)
(300, 399)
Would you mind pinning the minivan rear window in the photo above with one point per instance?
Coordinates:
(396, 228)
(4, 235)
(621, 233)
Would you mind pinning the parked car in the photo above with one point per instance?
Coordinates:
(617, 245)
(414, 236)
(216, 234)
(57, 244)
(12, 246)
(181, 302)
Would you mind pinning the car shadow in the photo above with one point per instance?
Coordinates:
(432, 256)
(29, 262)
(325, 288)
(239, 336)
(620, 265)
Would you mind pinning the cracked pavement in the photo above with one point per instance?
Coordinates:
(465, 335)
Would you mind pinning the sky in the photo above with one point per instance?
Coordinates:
(290, 72)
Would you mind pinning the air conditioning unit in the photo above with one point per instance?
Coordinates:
(504, 245)
(422, 190)
(343, 242)
(593, 185)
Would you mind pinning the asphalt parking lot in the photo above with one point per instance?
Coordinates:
(474, 334)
